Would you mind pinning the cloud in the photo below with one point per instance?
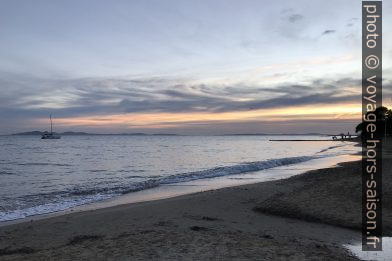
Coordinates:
(295, 18)
(26, 97)
(292, 25)
(328, 32)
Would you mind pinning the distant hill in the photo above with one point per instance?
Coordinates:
(41, 132)
(72, 133)
(29, 133)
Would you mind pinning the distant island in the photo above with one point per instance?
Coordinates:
(72, 133)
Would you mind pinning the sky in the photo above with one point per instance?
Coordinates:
(184, 66)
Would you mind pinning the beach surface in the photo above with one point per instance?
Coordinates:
(305, 217)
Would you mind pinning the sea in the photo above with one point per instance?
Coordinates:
(46, 176)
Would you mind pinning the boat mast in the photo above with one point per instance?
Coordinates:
(51, 126)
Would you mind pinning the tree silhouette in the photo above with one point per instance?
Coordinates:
(383, 122)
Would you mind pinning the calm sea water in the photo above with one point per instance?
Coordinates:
(43, 176)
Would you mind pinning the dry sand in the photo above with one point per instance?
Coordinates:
(331, 196)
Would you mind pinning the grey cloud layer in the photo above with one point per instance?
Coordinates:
(32, 97)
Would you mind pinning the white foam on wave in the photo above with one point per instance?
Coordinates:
(51, 207)
(78, 198)
(235, 169)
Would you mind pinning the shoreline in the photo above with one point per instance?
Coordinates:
(195, 186)
(224, 223)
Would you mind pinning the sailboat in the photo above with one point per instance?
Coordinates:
(50, 135)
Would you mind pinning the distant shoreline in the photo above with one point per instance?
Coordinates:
(71, 133)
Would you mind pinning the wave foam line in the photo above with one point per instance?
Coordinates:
(94, 195)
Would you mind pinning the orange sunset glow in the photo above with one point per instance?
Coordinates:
(163, 120)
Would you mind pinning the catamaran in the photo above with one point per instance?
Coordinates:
(50, 135)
